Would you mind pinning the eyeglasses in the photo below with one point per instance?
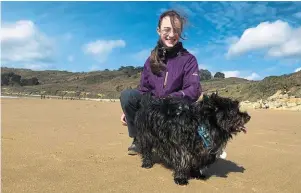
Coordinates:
(166, 31)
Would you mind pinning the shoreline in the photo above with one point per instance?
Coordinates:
(243, 103)
(56, 97)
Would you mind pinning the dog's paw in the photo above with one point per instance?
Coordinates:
(181, 181)
(198, 176)
(147, 165)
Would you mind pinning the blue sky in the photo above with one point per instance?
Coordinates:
(245, 39)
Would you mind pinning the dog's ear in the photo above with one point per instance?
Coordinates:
(213, 97)
(236, 103)
(216, 92)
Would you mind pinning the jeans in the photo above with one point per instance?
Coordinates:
(130, 100)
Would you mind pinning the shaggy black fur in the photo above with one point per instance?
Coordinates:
(169, 127)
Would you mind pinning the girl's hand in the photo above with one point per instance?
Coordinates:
(123, 119)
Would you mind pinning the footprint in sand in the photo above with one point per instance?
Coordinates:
(7, 138)
(55, 157)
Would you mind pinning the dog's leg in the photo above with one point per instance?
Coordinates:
(182, 167)
(198, 173)
(147, 161)
(146, 151)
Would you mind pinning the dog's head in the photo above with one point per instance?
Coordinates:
(223, 113)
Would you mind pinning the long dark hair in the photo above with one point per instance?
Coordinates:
(156, 62)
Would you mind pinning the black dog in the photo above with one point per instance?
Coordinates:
(188, 137)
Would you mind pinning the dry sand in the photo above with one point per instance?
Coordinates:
(81, 146)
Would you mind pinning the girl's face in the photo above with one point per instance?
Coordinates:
(168, 35)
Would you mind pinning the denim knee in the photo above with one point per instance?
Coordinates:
(125, 97)
(128, 96)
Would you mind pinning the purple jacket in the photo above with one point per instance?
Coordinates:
(181, 79)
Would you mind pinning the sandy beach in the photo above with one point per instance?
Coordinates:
(80, 146)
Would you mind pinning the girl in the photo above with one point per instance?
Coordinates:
(170, 71)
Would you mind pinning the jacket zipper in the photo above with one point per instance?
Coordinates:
(165, 79)
(166, 74)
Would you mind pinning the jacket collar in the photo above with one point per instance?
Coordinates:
(166, 53)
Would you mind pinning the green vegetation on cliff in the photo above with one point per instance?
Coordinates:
(109, 84)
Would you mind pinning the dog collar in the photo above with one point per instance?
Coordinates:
(203, 133)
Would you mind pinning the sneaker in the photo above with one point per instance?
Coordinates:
(133, 149)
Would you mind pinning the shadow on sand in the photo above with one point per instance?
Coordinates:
(221, 168)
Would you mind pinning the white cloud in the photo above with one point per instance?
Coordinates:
(232, 40)
(205, 67)
(94, 67)
(142, 55)
(228, 17)
(278, 37)
(264, 35)
(101, 49)
(298, 15)
(253, 76)
(239, 74)
(36, 66)
(291, 47)
(182, 9)
(193, 51)
(70, 58)
(23, 43)
(228, 74)
(298, 69)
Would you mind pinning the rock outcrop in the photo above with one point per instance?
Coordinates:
(280, 100)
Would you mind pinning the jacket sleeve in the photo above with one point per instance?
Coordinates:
(191, 89)
(144, 86)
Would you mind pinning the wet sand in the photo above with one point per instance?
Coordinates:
(81, 146)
